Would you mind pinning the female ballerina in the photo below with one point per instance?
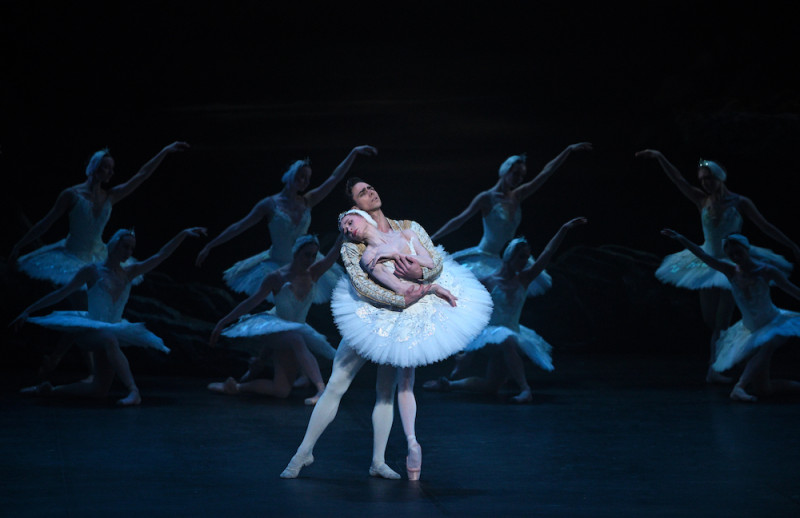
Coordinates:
(720, 214)
(763, 327)
(293, 287)
(288, 214)
(501, 215)
(508, 286)
(89, 208)
(427, 331)
(102, 329)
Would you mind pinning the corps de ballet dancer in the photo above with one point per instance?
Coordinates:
(288, 214)
(102, 329)
(763, 327)
(721, 214)
(283, 329)
(348, 361)
(504, 335)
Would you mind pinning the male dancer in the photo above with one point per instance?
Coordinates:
(347, 362)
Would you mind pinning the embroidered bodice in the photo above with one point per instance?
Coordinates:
(715, 229)
(86, 227)
(499, 227)
(289, 307)
(283, 232)
(507, 306)
(102, 305)
(752, 296)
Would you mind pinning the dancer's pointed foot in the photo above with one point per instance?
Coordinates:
(414, 459)
(254, 367)
(311, 401)
(297, 463)
(383, 471)
(302, 381)
(714, 377)
(42, 389)
(133, 398)
(440, 385)
(523, 397)
(229, 387)
(739, 394)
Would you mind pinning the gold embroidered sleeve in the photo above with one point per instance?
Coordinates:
(366, 287)
(428, 274)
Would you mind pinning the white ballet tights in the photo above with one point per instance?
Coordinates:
(406, 402)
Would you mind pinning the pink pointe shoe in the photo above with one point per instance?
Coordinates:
(414, 459)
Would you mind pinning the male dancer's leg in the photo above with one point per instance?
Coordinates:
(346, 364)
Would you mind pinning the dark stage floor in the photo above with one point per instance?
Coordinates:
(612, 435)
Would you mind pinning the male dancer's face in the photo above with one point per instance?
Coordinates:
(366, 197)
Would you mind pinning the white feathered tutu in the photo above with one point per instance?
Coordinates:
(737, 342)
(534, 346)
(685, 270)
(247, 275)
(428, 331)
(482, 264)
(128, 333)
(249, 333)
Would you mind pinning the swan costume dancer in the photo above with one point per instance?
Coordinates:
(501, 216)
(102, 329)
(88, 206)
(721, 214)
(348, 362)
(288, 214)
(763, 327)
(504, 333)
(284, 325)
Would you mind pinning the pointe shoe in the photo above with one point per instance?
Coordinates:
(383, 471)
(295, 465)
(440, 385)
(227, 387)
(42, 389)
(414, 461)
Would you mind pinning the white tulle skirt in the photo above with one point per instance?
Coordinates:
(685, 270)
(247, 275)
(127, 333)
(482, 264)
(737, 342)
(534, 346)
(55, 263)
(250, 332)
(425, 332)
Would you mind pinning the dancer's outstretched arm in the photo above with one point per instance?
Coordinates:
(122, 190)
(142, 267)
(85, 275)
(478, 203)
(316, 195)
(321, 266)
(727, 268)
(271, 283)
(782, 282)
(64, 202)
(695, 194)
(748, 208)
(527, 275)
(528, 188)
(263, 209)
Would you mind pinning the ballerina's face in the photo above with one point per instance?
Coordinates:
(124, 249)
(519, 257)
(365, 197)
(736, 252)
(514, 177)
(708, 181)
(307, 255)
(302, 179)
(354, 227)
(105, 170)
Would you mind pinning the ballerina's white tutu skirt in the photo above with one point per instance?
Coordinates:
(247, 275)
(737, 342)
(251, 330)
(55, 263)
(128, 333)
(482, 264)
(534, 346)
(685, 270)
(428, 331)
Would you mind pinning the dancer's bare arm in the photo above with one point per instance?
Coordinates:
(529, 274)
(727, 268)
(271, 283)
(695, 195)
(263, 209)
(122, 190)
(142, 267)
(85, 275)
(316, 195)
(528, 188)
(64, 202)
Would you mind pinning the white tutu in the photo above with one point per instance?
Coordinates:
(250, 330)
(534, 346)
(247, 275)
(426, 332)
(737, 342)
(482, 264)
(128, 333)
